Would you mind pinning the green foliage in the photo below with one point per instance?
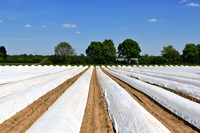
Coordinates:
(77, 60)
(24, 58)
(3, 52)
(145, 59)
(158, 60)
(46, 61)
(37, 59)
(129, 49)
(170, 53)
(1, 59)
(102, 52)
(64, 50)
(15, 64)
(198, 48)
(191, 53)
(19, 60)
(108, 51)
(94, 51)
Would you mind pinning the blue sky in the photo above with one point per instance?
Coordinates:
(37, 26)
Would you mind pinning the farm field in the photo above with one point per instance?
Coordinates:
(99, 99)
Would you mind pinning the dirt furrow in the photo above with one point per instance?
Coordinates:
(96, 119)
(174, 123)
(20, 122)
(176, 92)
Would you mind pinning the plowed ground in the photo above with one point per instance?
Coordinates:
(174, 123)
(96, 119)
(20, 122)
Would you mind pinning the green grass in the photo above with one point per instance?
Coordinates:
(15, 64)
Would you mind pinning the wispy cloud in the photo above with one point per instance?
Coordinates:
(193, 4)
(182, 1)
(152, 20)
(44, 26)
(78, 32)
(69, 25)
(125, 28)
(1, 21)
(27, 26)
(11, 18)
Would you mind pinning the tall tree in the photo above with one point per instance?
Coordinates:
(190, 53)
(170, 53)
(3, 52)
(94, 51)
(198, 48)
(129, 49)
(64, 50)
(108, 51)
(102, 52)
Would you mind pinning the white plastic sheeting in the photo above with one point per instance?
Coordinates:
(186, 109)
(15, 102)
(180, 87)
(17, 73)
(178, 74)
(66, 114)
(9, 88)
(126, 114)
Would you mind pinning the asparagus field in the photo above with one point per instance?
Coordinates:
(122, 99)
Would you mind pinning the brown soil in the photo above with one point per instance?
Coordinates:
(20, 122)
(183, 95)
(174, 123)
(96, 119)
(177, 93)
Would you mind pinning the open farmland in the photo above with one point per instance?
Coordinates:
(99, 99)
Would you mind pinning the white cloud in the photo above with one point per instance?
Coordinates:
(78, 32)
(44, 26)
(11, 18)
(27, 26)
(1, 21)
(152, 20)
(69, 25)
(182, 1)
(193, 4)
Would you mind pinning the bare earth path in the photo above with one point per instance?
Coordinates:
(168, 119)
(96, 119)
(20, 122)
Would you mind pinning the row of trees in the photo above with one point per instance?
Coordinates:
(169, 55)
(105, 53)
(98, 52)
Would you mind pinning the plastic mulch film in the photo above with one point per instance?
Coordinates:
(186, 109)
(188, 89)
(126, 114)
(66, 114)
(15, 102)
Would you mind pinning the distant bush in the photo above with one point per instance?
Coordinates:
(1, 59)
(46, 61)
(19, 60)
(37, 59)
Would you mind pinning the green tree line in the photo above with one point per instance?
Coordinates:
(128, 52)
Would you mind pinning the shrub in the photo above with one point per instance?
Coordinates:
(46, 61)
